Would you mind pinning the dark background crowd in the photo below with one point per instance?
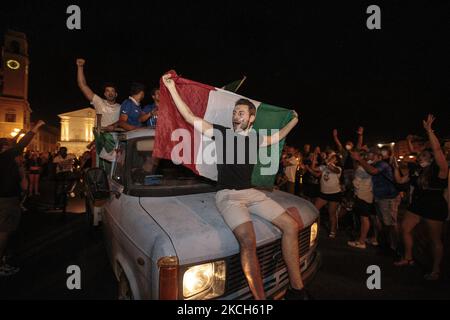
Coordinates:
(376, 196)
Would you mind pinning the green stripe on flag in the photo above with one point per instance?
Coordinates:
(104, 140)
(269, 117)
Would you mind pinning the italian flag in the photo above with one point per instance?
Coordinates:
(215, 106)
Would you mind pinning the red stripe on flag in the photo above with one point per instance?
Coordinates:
(195, 95)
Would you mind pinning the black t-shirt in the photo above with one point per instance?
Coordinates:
(309, 178)
(235, 172)
(428, 180)
(348, 161)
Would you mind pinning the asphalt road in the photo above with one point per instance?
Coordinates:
(47, 243)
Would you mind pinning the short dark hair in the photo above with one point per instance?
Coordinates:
(109, 85)
(386, 148)
(375, 150)
(249, 104)
(153, 92)
(136, 87)
(428, 150)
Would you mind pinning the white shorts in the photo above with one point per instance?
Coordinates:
(237, 205)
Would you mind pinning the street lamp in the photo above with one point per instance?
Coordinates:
(15, 132)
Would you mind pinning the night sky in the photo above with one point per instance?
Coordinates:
(317, 58)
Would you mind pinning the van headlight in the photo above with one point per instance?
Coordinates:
(205, 281)
(314, 232)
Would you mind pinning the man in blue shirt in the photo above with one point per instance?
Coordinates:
(150, 112)
(385, 192)
(130, 110)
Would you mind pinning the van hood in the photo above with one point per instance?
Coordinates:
(198, 231)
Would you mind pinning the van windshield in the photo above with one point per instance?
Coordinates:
(149, 173)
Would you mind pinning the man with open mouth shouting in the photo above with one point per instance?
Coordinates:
(237, 198)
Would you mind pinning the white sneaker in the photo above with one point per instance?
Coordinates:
(6, 270)
(357, 244)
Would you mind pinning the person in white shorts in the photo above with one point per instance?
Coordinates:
(237, 199)
(330, 189)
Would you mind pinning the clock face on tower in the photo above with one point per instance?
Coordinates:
(13, 64)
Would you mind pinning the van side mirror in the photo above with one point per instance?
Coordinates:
(97, 185)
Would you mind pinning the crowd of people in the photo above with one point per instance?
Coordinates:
(11, 189)
(27, 172)
(130, 114)
(352, 178)
(371, 183)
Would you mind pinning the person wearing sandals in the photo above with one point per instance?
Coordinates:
(330, 189)
(363, 206)
(386, 196)
(428, 202)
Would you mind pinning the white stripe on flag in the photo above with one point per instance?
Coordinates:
(218, 111)
(220, 107)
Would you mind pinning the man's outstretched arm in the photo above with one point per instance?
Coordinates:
(25, 141)
(436, 147)
(123, 123)
(360, 142)
(369, 168)
(337, 141)
(81, 80)
(183, 108)
(277, 137)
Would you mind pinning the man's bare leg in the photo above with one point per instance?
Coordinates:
(245, 235)
(289, 247)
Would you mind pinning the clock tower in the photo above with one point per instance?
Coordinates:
(15, 65)
(14, 107)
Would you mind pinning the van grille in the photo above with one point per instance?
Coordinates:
(270, 260)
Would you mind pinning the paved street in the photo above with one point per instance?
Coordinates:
(47, 243)
(343, 275)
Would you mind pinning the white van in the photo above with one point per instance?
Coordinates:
(167, 240)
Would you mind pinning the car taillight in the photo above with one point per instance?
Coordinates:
(168, 278)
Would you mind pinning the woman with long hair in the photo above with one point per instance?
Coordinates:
(330, 189)
(428, 202)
